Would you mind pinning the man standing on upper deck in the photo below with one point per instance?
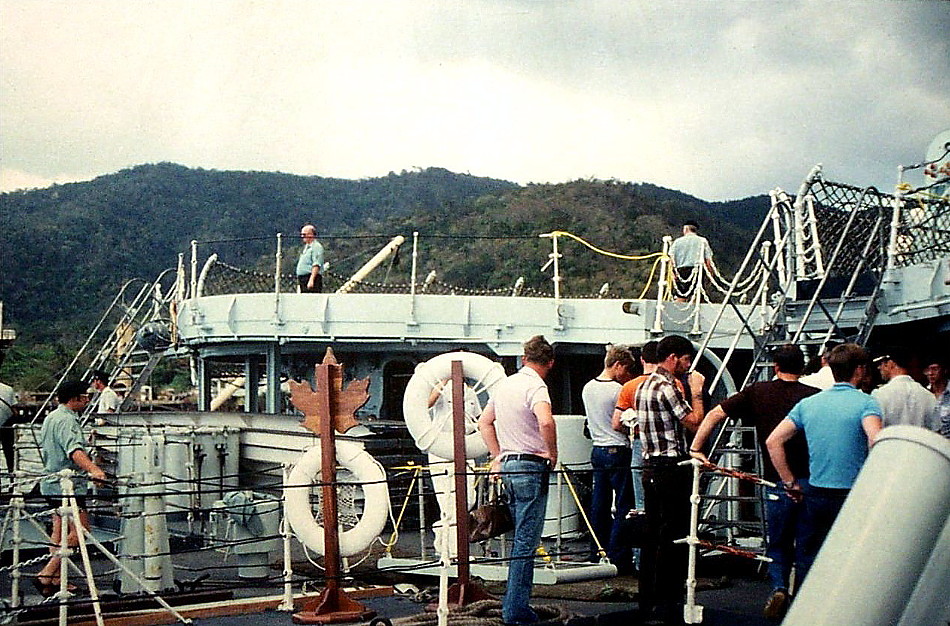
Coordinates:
(518, 426)
(663, 415)
(310, 261)
(609, 459)
(688, 252)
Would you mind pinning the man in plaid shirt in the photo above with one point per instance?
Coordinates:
(664, 415)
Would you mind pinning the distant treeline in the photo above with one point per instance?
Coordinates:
(68, 248)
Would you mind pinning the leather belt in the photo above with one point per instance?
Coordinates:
(526, 457)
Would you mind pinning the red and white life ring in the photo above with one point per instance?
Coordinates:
(415, 404)
(368, 472)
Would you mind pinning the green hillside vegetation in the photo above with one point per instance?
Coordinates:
(68, 248)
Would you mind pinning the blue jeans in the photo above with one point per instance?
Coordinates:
(611, 467)
(785, 540)
(636, 473)
(821, 509)
(527, 485)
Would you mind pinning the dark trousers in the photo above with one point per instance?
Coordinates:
(821, 509)
(303, 279)
(611, 465)
(666, 488)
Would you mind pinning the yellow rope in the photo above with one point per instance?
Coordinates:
(393, 538)
(628, 257)
(570, 486)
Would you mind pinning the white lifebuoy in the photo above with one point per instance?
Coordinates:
(369, 473)
(415, 404)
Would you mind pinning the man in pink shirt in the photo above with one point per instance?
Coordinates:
(518, 426)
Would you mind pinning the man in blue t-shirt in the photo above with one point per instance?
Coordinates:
(840, 425)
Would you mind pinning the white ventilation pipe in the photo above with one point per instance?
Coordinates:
(882, 558)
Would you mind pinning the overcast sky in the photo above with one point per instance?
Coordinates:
(719, 99)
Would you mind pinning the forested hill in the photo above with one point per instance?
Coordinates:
(67, 248)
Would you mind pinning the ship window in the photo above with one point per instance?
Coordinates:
(396, 375)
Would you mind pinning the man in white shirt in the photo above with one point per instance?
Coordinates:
(108, 401)
(609, 459)
(903, 400)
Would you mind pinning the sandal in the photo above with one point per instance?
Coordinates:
(44, 589)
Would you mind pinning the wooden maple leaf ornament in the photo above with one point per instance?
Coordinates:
(348, 400)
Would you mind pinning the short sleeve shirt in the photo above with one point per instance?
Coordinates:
(108, 401)
(832, 423)
(60, 436)
(600, 398)
(516, 424)
(690, 250)
(311, 256)
(660, 408)
(764, 405)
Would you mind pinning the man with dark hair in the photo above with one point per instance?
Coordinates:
(609, 458)
(310, 261)
(518, 426)
(63, 447)
(663, 415)
(108, 400)
(938, 372)
(764, 405)
(688, 253)
(840, 425)
(903, 400)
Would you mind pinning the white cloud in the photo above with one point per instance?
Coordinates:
(717, 99)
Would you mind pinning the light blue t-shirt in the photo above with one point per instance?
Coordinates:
(312, 254)
(690, 250)
(837, 443)
(60, 436)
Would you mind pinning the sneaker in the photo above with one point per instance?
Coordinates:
(776, 605)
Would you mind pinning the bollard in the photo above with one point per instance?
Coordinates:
(887, 531)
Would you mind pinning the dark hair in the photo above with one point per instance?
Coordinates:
(100, 375)
(845, 359)
(676, 345)
(789, 359)
(619, 353)
(648, 352)
(71, 389)
(538, 350)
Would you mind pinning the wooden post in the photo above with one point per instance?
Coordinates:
(463, 591)
(333, 605)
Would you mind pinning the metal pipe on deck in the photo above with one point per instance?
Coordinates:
(890, 529)
(372, 264)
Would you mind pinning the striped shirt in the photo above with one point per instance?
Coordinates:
(660, 408)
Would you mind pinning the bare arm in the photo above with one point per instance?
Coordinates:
(872, 425)
(616, 424)
(712, 419)
(695, 418)
(548, 429)
(486, 426)
(86, 464)
(314, 272)
(776, 445)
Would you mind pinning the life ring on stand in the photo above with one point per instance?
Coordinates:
(369, 474)
(415, 404)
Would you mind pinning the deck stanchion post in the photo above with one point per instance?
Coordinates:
(16, 509)
(287, 604)
(661, 285)
(692, 612)
(194, 268)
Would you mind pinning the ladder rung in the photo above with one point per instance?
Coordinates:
(730, 498)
